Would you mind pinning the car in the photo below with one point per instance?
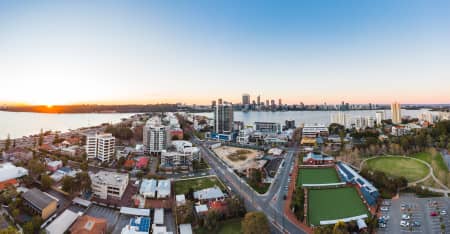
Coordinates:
(443, 212)
(284, 197)
(404, 223)
(382, 225)
(385, 217)
(381, 220)
(405, 217)
(384, 208)
(386, 203)
(415, 224)
(433, 213)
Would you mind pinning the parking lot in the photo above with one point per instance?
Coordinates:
(109, 214)
(410, 214)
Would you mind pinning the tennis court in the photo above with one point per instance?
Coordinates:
(317, 176)
(332, 204)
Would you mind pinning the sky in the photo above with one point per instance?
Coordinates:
(140, 52)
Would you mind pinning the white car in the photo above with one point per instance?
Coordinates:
(404, 223)
(443, 212)
(405, 217)
(384, 208)
(385, 217)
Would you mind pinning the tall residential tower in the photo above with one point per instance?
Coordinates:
(396, 113)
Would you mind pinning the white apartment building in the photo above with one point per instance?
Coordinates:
(156, 136)
(396, 113)
(314, 130)
(100, 146)
(380, 116)
(426, 116)
(183, 155)
(360, 122)
(340, 118)
(371, 121)
(106, 183)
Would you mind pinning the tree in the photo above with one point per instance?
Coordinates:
(67, 184)
(340, 228)
(15, 213)
(46, 181)
(255, 223)
(84, 165)
(7, 142)
(82, 182)
(41, 138)
(36, 167)
(211, 219)
(9, 230)
(28, 227)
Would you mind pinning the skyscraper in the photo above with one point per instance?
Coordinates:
(340, 118)
(101, 146)
(156, 136)
(380, 116)
(258, 100)
(396, 113)
(245, 99)
(223, 118)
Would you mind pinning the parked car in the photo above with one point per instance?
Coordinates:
(385, 217)
(386, 203)
(404, 223)
(381, 220)
(415, 224)
(405, 217)
(384, 208)
(443, 212)
(382, 225)
(433, 213)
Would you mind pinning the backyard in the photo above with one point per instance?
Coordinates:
(183, 186)
(411, 169)
(231, 226)
(332, 204)
(317, 176)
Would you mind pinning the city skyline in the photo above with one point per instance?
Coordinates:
(60, 53)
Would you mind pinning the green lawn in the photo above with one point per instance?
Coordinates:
(424, 156)
(399, 166)
(231, 226)
(317, 176)
(183, 186)
(332, 204)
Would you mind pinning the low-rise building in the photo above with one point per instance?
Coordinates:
(314, 130)
(163, 189)
(62, 223)
(54, 165)
(180, 157)
(314, 158)
(105, 184)
(10, 173)
(89, 225)
(148, 188)
(138, 225)
(268, 127)
(209, 194)
(40, 203)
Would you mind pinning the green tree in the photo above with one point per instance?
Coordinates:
(41, 138)
(211, 219)
(255, 223)
(46, 181)
(15, 213)
(67, 184)
(28, 228)
(9, 230)
(36, 167)
(7, 142)
(84, 165)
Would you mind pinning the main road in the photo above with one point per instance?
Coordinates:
(271, 203)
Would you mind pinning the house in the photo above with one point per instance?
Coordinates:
(209, 194)
(314, 158)
(40, 202)
(54, 165)
(163, 189)
(61, 224)
(185, 228)
(17, 155)
(201, 210)
(89, 225)
(148, 188)
(138, 225)
(10, 173)
(142, 162)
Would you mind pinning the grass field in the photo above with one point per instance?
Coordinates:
(408, 168)
(317, 176)
(182, 186)
(424, 156)
(331, 204)
(231, 226)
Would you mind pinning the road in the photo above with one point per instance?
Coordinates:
(253, 200)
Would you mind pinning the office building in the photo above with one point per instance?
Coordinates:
(315, 130)
(156, 136)
(101, 146)
(396, 113)
(245, 99)
(267, 127)
(426, 116)
(223, 118)
(289, 124)
(40, 203)
(137, 225)
(109, 184)
(380, 116)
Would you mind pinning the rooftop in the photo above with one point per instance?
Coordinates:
(62, 223)
(38, 198)
(107, 177)
(209, 193)
(9, 171)
(88, 224)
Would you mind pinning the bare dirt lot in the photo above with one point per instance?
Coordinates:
(239, 158)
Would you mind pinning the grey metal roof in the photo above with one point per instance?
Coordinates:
(37, 198)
